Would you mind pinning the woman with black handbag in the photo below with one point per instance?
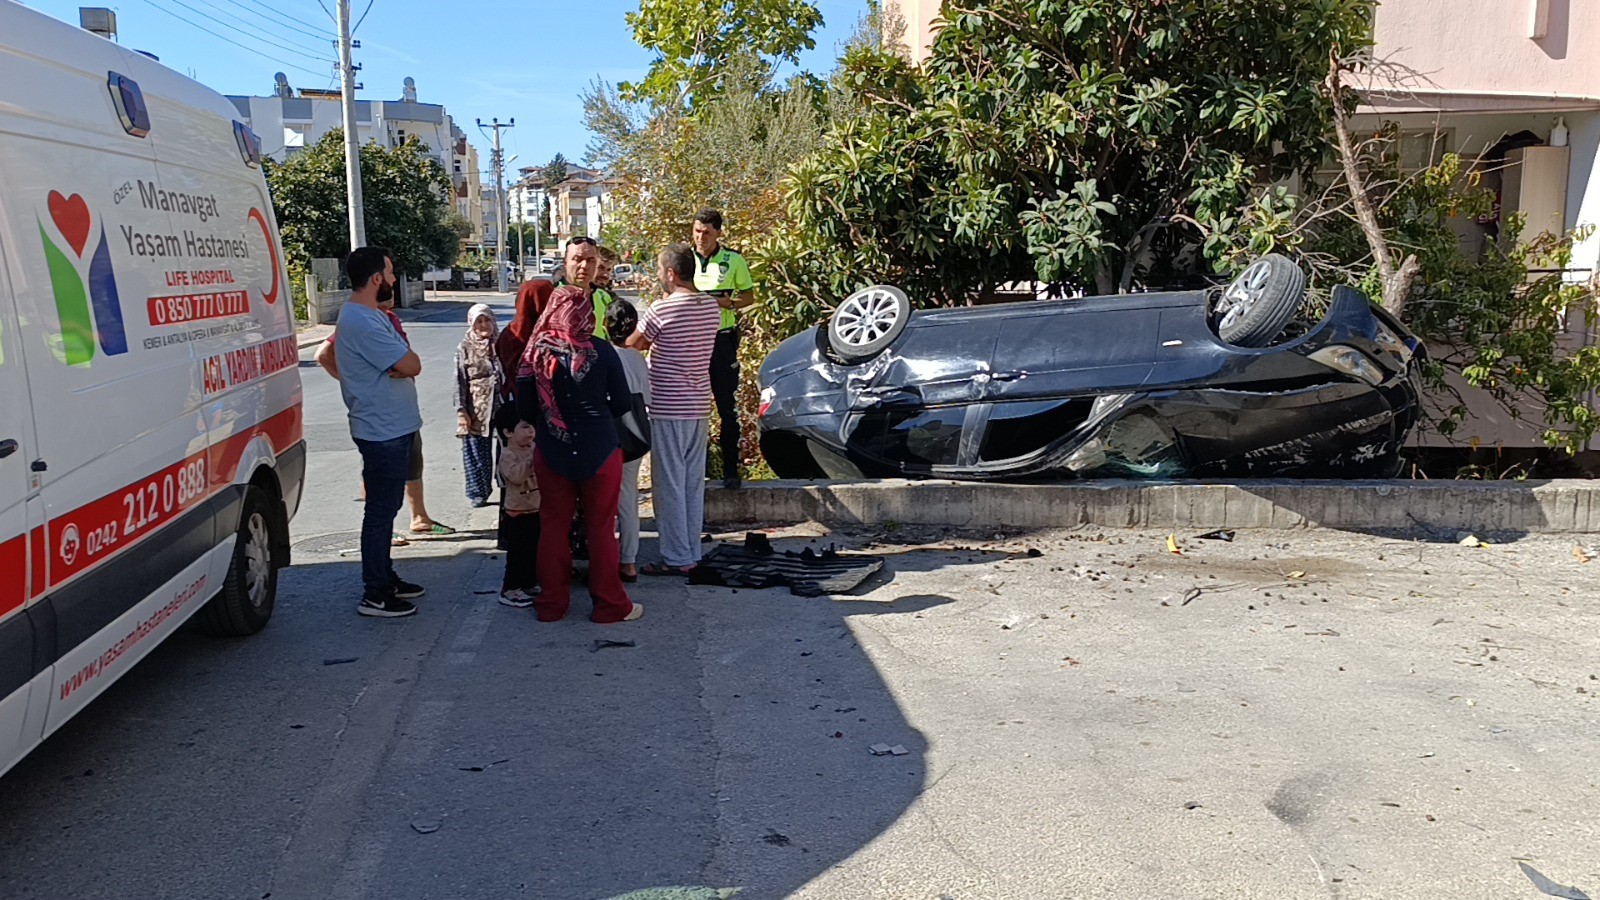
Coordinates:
(572, 387)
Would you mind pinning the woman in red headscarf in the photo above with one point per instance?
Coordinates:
(532, 298)
(571, 387)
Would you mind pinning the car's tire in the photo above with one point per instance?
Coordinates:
(1256, 307)
(867, 322)
(245, 602)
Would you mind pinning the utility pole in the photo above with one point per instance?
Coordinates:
(522, 209)
(352, 142)
(499, 200)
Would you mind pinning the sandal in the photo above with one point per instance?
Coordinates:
(398, 540)
(627, 578)
(661, 569)
(435, 530)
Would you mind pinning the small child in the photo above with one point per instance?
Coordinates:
(621, 322)
(519, 513)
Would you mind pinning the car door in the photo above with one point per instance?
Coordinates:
(19, 557)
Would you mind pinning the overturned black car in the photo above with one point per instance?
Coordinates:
(1227, 382)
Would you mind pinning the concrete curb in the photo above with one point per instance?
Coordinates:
(312, 335)
(1559, 506)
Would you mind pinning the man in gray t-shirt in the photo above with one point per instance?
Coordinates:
(376, 378)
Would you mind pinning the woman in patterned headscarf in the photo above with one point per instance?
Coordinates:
(478, 381)
(571, 386)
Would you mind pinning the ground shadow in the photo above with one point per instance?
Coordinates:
(728, 748)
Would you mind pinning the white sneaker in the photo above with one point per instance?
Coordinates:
(635, 613)
(515, 599)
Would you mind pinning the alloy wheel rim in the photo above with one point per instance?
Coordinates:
(257, 558)
(1245, 292)
(867, 316)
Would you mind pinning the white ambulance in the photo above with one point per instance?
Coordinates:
(150, 428)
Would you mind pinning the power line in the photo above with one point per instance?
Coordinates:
(325, 8)
(320, 36)
(300, 50)
(363, 17)
(232, 41)
(282, 14)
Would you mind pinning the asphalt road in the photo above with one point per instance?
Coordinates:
(1331, 716)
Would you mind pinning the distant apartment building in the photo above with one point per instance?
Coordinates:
(577, 202)
(289, 120)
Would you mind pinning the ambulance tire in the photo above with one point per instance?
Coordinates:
(244, 604)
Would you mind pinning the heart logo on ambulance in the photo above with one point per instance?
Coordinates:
(86, 301)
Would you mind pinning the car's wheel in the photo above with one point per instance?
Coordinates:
(245, 602)
(868, 321)
(1260, 303)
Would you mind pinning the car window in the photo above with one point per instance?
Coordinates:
(921, 437)
(1020, 428)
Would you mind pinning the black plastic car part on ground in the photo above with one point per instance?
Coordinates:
(1136, 384)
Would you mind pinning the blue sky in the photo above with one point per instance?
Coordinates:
(480, 58)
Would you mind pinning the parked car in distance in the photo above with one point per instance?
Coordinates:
(470, 277)
(624, 275)
(1222, 382)
(547, 264)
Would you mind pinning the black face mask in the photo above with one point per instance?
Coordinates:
(385, 292)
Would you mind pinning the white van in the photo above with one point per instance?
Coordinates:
(150, 427)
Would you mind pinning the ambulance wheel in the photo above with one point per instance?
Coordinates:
(244, 604)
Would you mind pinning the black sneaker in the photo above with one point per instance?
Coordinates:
(405, 590)
(386, 607)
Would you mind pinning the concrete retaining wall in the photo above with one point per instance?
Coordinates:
(1497, 506)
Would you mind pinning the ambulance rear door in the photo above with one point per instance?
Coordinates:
(21, 547)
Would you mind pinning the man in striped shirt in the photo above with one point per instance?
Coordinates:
(679, 331)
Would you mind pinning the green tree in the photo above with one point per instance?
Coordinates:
(731, 154)
(695, 42)
(404, 191)
(1068, 142)
(555, 171)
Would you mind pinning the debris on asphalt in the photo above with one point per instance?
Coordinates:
(1172, 544)
(602, 643)
(425, 826)
(1034, 553)
(339, 661)
(1582, 555)
(1191, 805)
(1192, 594)
(887, 750)
(775, 839)
(1467, 539)
(482, 768)
(806, 574)
(1550, 887)
(1221, 534)
(489, 591)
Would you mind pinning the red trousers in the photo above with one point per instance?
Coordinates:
(558, 501)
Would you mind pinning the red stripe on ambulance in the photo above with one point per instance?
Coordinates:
(95, 532)
(13, 574)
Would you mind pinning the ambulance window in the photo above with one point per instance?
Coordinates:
(129, 100)
(249, 145)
